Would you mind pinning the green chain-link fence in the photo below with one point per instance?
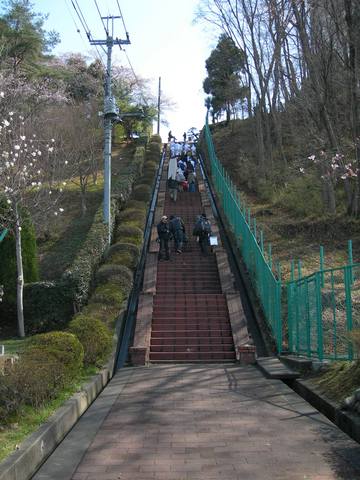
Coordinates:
(322, 308)
(266, 285)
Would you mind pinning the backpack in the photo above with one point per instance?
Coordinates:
(202, 226)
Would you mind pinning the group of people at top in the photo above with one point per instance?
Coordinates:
(173, 228)
(182, 168)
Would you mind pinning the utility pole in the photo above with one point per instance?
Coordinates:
(158, 115)
(111, 112)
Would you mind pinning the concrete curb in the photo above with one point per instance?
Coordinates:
(348, 422)
(35, 449)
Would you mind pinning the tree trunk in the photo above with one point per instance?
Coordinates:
(20, 277)
(260, 141)
(83, 204)
(354, 80)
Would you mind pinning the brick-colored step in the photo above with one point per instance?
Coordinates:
(190, 316)
(190, 356)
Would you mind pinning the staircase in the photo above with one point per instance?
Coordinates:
(190, 320)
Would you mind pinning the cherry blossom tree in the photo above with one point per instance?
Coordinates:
(28, 182)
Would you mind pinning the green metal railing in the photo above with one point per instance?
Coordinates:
(250, 243)
(3, 234)
(322, 308)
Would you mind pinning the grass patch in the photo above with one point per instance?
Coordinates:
(30, 419)
(339, 380)
(60, 238)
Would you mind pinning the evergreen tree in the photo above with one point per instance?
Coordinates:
(223, 82)
(23, 40)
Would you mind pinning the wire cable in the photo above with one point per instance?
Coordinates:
(135, 77)
(122, 18)
(81, 18)
(74, 21)
(102, 20)
(82, 38)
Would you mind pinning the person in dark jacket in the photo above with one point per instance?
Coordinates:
(177, 229)
(164, 237)
(202, 230)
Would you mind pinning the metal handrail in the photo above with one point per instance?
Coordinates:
(130, 315)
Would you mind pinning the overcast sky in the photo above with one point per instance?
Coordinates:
(164, 43)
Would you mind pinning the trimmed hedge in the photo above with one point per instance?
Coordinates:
(55, 302)
(47, 305)
(126, 254)
(137, 204)
(132, 214)
(118, 274)
(155, 138)
(94, 336)
(142, 192)
(106, 313)
(129, 234)
(109, 294)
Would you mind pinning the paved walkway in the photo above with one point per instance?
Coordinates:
(193, 422)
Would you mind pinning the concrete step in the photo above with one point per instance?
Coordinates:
(192, 348)
(273, 368)
(192, 356)
(192, 340)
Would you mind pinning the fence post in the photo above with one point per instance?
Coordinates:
(299, 270)
(278, 317)
(348, 306)
(350, 253)
(320, 340)
(322, 265)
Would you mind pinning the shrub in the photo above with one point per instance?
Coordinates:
(124, 254)
(106, 313)
(132, 214)
(129, 234)
(51, 362)
(155, 138)
(154, 147)
(109, 294)
(137, 204)
(124, 247)
(62, 347)
(302, 197)
(117, 274)
(94, 336)
(151, 166)
(142, 192)
(10, 399)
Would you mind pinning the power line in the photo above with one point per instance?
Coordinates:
(81, 18)
(101, 18)
(76, 26)
(84, 25)
(135, 76)
(122, 17)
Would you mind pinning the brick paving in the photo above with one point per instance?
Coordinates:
(192, 422)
